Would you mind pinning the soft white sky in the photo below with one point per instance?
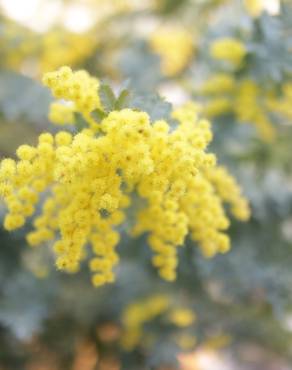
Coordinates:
(41, 14)
(76, 16)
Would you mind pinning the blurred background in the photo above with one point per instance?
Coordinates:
(230, 312)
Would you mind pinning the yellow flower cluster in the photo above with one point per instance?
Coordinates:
(229, 191)
(228, 49)
(254, 7)
(217, 106)
(77, 88)
(88, 180)
(250, 106)
(182, 317)
(217, 88)
(21, 48)
(175, 46)
(244, 98)
(17, 44)
(143, 311)
(137, 314)
(218, 83)
(59, 47)
(282, 105)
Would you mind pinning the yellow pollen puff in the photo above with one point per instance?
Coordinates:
(228, 49)
(61, 114)
(175, 46)
(63, 138)
(26, 152)
(218, 84)
(7, 168)
(46, 138)
(13, 221)
(182, 317)
(254, 7)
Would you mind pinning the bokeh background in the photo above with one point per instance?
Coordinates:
(234, 310)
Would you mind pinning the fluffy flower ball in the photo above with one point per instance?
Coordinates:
(228, 49)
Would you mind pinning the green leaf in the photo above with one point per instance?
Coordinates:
(80, 122)
(107, 97)
(154, 105)
(98, 115)
(123, 100)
